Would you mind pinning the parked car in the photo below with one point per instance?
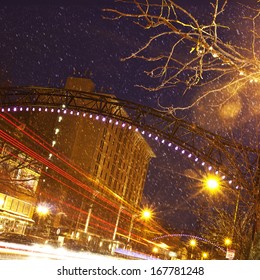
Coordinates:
(20, 238)
(75, 245)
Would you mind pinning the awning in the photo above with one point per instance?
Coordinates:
(15, 216)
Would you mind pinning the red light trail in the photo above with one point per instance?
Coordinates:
(60, 171)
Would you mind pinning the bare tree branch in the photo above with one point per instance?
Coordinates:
(194, 54)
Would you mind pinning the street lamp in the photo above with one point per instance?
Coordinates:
(228, 241)
(212, 183)
(193, 244)
(42, 210)
(145, 214)
(155, 250)
(204, 255)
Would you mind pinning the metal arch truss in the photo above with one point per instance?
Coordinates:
(225, 155)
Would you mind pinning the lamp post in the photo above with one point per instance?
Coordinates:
(235, 214)
(213, 184)
(117, 222)
(145, 214)
(193, 244)
(42, 211)
(94, 195)
(120, 208)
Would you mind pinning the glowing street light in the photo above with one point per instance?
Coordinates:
(212, 183)
(155, 250)
(42, 210)
(228, 241)
(145, 214)
(193, 244)
(204, 255)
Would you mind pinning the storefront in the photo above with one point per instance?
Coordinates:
(15, 214)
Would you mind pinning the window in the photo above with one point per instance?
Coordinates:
(14, 205)
(8, 203)
(20, 207)
(117, 174)
(96, 170)
(17, 206)
(101, 144)
(113, 169)
(26, 209)
(98, 157)
(104, 132)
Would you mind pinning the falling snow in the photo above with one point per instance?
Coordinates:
(42, 46)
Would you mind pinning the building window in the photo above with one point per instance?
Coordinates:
(96, 170)
(98, 157)
(117, 174)
(17, 206)
(101, 144)
(14, 205)
(26, 209)
(113, 169)
(104, 132)
(20, 207)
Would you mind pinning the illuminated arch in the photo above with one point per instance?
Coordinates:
(197, 143)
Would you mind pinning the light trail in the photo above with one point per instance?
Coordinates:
(23, 148)
(68, 186)
(45, 251)
(4, 136)
(54, 167)
(58, 170)
(53, 151)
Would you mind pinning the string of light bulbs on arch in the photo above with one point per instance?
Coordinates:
(94, 116)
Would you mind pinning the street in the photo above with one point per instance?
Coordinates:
(12, 251)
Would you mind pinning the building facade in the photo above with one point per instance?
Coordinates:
(95, 175)
(19, 177)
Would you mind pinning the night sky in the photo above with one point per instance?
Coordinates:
(43, 44)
